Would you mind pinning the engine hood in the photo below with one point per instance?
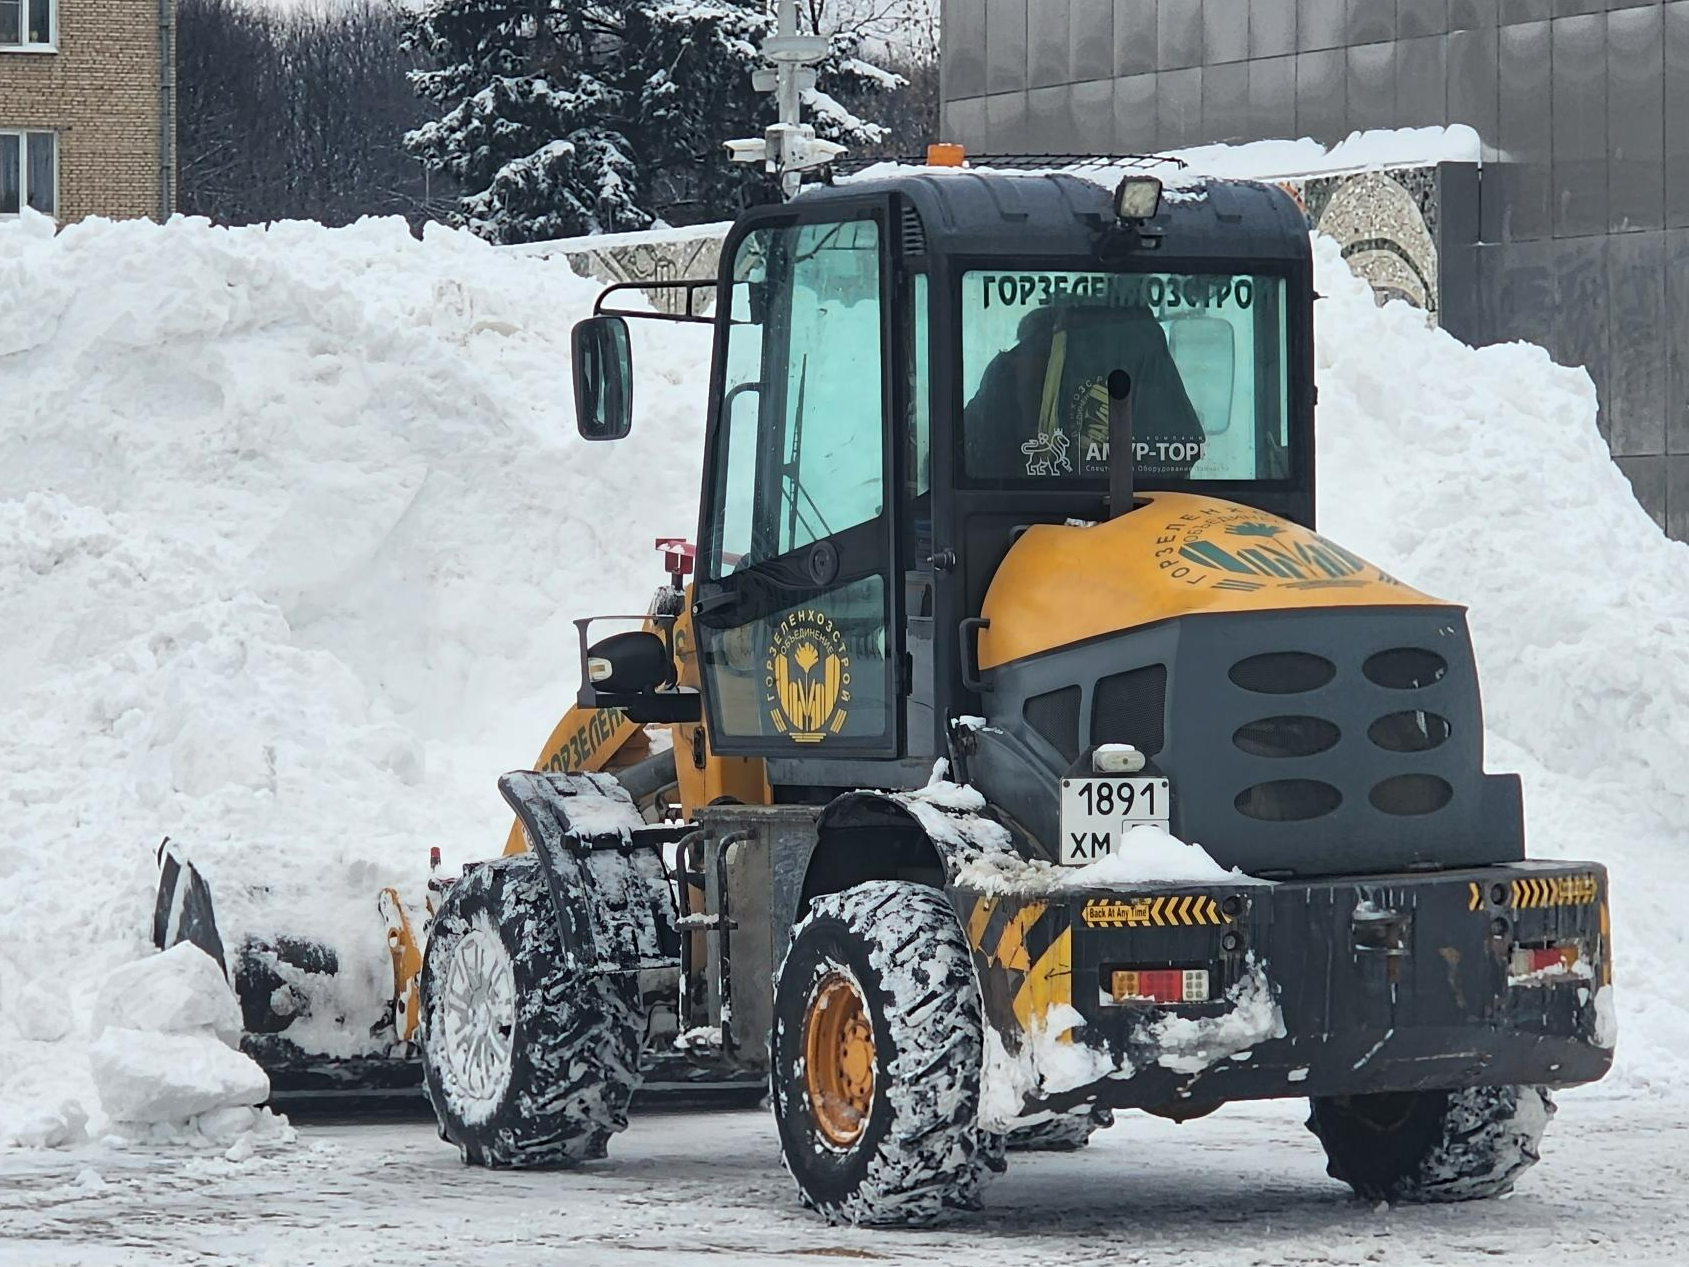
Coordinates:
(1177, 554)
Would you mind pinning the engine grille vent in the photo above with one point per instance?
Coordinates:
(1132, 708)
(1288, 800)
(1283, 673)
(1286, 736)
(1409, 795)
(1405, 668)
(1055, 715)
(1410, 731)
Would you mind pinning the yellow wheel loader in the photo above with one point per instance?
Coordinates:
(1006, 584)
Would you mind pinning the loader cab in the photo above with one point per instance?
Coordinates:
(906, 376)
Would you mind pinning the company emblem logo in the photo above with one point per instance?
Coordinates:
(1234, 548)
(806, 678)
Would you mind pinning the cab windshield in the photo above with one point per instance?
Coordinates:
(1206, 353)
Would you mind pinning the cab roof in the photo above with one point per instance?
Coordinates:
(1056, 213)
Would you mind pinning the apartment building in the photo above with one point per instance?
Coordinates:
(87, 108)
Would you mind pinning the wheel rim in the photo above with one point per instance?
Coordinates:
(839, 1065)
(477, 1022)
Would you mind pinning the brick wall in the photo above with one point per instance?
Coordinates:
(100, 93)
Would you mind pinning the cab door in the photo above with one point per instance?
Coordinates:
(795, 611)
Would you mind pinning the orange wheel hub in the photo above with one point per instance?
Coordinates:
(838, 1048)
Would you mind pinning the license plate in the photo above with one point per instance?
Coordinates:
(1097, 813)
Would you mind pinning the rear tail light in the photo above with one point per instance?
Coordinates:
(1533, 964)
(1157, 985)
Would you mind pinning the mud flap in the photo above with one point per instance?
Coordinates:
(582, 828)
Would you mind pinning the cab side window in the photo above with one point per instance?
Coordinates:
(818, 470)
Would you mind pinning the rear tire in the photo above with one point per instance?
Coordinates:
(878, 1036)
(1432, 1146)
(527, 1061)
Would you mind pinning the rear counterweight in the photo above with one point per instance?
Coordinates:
(1194, 995)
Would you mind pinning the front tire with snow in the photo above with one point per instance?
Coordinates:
(1432, 1146)
(878, 1035)
(527, 1061)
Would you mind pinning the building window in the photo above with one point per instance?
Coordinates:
(28, 24)
(29, 172)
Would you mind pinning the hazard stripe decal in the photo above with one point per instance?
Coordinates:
(997, 930)
(1560, 890)
(1048, 983)
(1180, 911)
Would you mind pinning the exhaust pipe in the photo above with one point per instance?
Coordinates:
(1119, 443)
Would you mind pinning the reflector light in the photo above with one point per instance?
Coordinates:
(1159, 985)
(679, 555)
(942, 154)
(1531, 960)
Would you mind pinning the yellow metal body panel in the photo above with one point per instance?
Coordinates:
(716, 779)
(1181, 554)
(593, 740)
(407, 964)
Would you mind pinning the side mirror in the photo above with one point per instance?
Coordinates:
(631, 663)
(603, 360)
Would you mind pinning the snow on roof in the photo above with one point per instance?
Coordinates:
(1258, 160)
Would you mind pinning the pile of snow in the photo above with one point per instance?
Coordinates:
(293, 524)
(1479, 475)
(166, 1060)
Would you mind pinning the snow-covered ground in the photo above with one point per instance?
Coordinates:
(292, 527)
(1246, 1186)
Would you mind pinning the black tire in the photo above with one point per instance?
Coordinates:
(1064, 1134)
(920, 1151)
(573, 1037)
(1432, 1146)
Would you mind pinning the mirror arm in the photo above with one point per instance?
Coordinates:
(690, 286)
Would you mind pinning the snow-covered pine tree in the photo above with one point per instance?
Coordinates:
(563, 117)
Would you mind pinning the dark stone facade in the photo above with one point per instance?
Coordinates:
(1582, 207)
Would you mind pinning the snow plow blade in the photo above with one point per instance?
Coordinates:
(277, 982)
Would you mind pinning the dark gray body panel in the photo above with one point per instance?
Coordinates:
(1193, 740)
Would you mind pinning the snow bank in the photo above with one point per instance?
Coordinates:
(293, 524)
(1479, 475)
(165, 1058)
